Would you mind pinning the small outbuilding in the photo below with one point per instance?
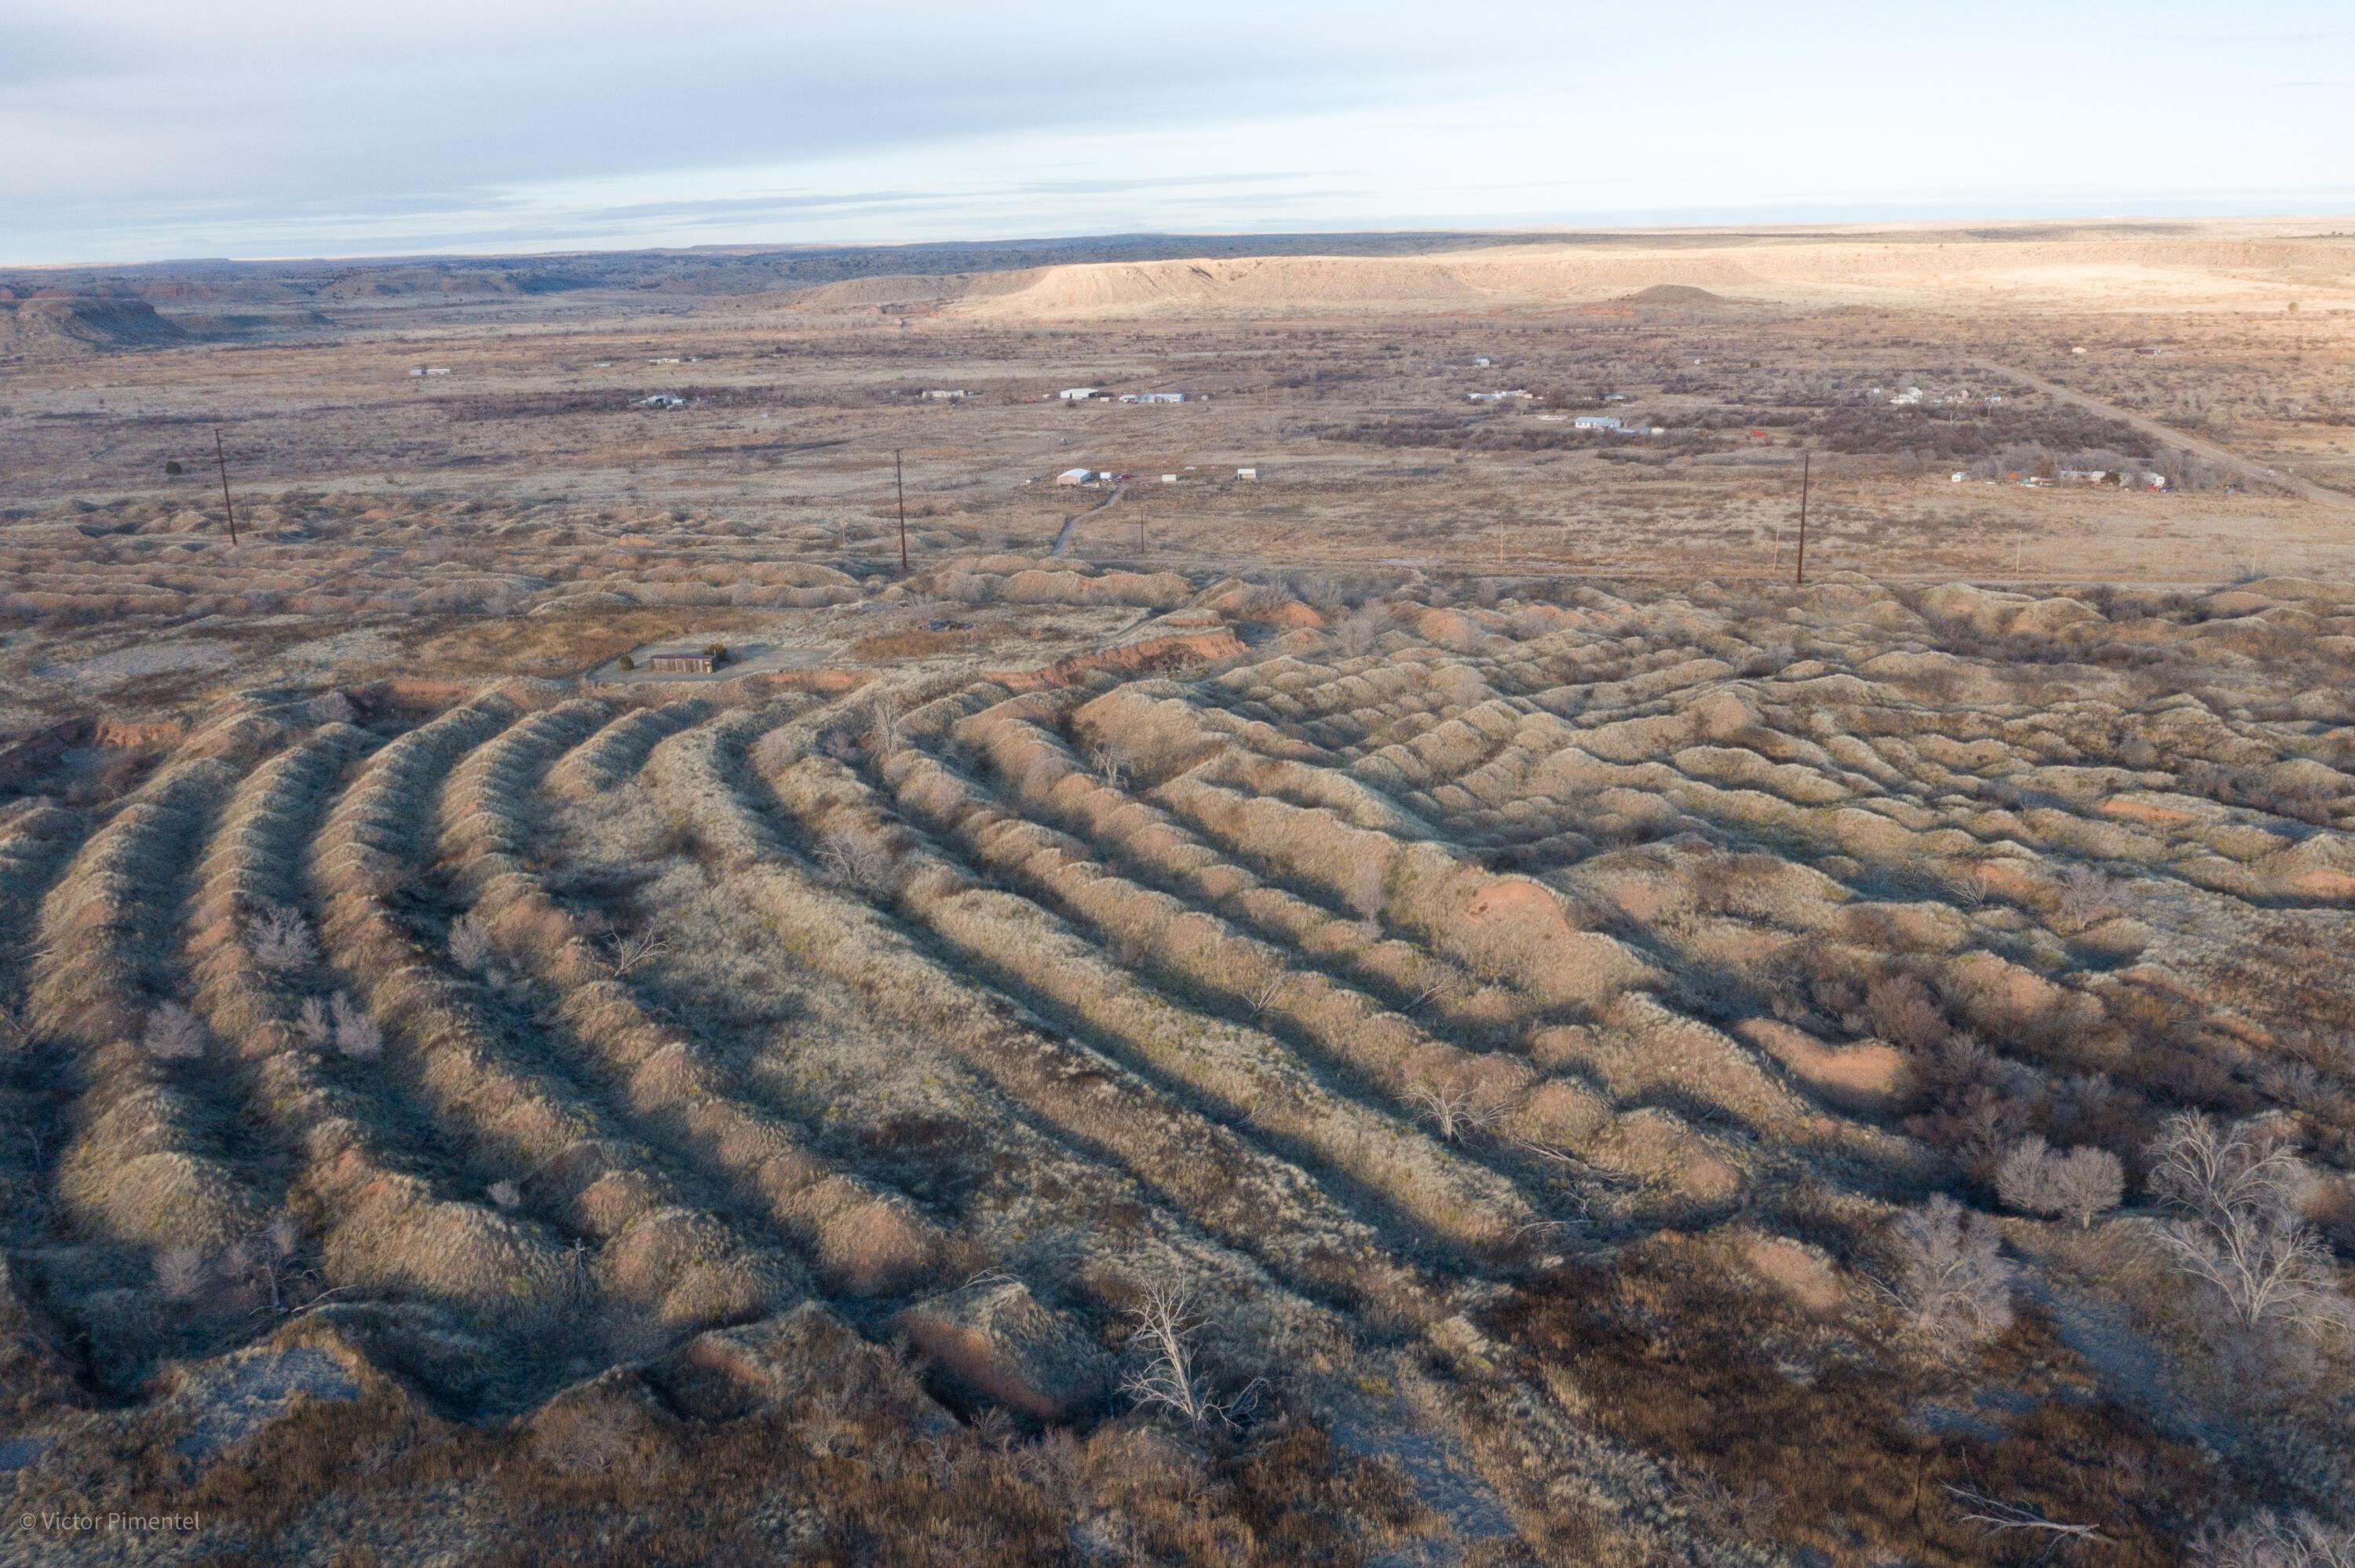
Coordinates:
(682, 662)
(1077, 394)
(1076, 476)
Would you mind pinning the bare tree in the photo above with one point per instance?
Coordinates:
(1170, 1381)
(884, 734)
(1952, 1278)
(506, 1194)
(2088, 896)
(172, 1034)
(1259, 977)
(629, 951)
(1458, 1110)
(470, 943)
(281, 941)
(357, 1035)
(2080, 1183)
(2271, 1540)
(266, 1259)
(2088, 1184)
(312, 1022)
(2239, 1202)
(181, 1273)
(1999, 1518)
(780, 750)
(1592, 1179)
(1361, 628)
(1112, 764)
(856, 858)
(1366, 889)
(1433, 980)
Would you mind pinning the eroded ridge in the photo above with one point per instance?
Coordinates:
(1530, 1040)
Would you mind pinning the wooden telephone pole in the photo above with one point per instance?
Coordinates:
(899, 483)
(221, 457)
(1806, 459)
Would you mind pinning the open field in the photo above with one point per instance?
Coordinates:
(1587, 1052)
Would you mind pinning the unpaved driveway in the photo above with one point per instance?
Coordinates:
(1072, 521)
(2175, 437)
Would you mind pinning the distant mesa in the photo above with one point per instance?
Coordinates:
(82, 323)
(1672, 295)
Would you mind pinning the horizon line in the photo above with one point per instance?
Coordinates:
(1400, 230)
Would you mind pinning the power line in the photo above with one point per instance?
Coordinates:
(1806, 459)
(227, 505)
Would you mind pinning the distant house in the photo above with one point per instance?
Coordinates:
(430, 370)
(1246, 473)
(680, 662)
(2083, 475)
(662, 400)
(1153, 397)
(1077, 394)
(1483, 362)
(946, 395)
(1076, 476)
(1507, 396)
(1597, 422)
(1911, 395)
(1169, 479)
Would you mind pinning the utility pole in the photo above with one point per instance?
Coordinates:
(899, 483)
(1805, 460)
(227, 505)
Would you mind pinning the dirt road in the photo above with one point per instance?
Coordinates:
(2175, 438)
(1063, 537)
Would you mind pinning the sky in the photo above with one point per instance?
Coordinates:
(141, 130)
